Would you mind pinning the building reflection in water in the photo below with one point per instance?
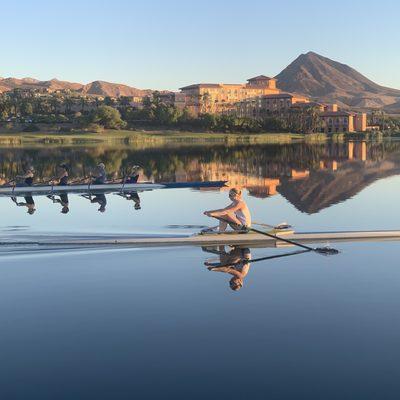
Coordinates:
(310, 176)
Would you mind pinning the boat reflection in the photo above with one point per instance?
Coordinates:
(61, 199)
(29, 203)
(132, 196)
(99, 198)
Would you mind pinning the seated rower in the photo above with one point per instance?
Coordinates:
(27, 178)
(101, 175)
(62, 179)
(237, 214)
(133, 177)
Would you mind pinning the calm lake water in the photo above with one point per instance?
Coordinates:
(156, 323)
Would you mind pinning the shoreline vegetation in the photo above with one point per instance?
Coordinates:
(29, 118)
(165, 137)
(157, 137)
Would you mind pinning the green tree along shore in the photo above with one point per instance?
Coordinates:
(71, 113)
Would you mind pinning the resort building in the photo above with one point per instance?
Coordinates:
(257, 107)
(335, 121)
(173, 98)
(219, 98)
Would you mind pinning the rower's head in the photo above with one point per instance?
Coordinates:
(65, 210)
(101, 165)
(235, 194)
(31, 169)
(64, 167)
(236, 284)
(31, 210)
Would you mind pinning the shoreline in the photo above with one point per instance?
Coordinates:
(169, 137)
(128, 137)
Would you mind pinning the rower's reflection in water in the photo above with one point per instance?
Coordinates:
(99, 198)
(29, 203)
(132, 196)
(63, 200)
(235, 262)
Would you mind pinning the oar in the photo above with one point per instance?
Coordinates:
(7, 183)
(80, 180)
(320, 250)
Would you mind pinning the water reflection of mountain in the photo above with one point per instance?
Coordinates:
(323, 188)
(310, 176)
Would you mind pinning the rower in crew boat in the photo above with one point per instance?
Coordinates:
(133, 176)
(26, 179)
(101, 175)
(236, 214)
(62, 178)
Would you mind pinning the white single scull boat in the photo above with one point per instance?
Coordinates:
(246, 239)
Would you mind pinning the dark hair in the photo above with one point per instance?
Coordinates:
(236, 191)
(64, 166)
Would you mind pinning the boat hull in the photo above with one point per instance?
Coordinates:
(249, 240)
(105, 188)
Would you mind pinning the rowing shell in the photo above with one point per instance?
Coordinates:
(248, 239)
(105, 188)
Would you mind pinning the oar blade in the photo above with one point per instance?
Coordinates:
(326, 251)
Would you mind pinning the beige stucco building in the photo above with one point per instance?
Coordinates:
(257, 107)
(223, 97)
(343, 121)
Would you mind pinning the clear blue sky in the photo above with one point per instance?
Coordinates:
(168, 44)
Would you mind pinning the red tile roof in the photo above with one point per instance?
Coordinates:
(260, 77)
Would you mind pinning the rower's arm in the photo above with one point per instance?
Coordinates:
(228, 270)
(231, 208)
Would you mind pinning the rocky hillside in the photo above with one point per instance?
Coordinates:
(321, 78)
(101, 88)
(96, 88)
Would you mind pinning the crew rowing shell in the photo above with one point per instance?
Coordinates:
(105, 188)
(248, 239)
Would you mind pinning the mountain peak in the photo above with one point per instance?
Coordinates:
(330, 81)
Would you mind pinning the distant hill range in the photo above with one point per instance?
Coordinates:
(310, 74)
(96, 88)
(330, 81)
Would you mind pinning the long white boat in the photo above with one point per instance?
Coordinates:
(247, 239)
(104, 188)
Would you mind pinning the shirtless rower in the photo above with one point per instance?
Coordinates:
(237, 214)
